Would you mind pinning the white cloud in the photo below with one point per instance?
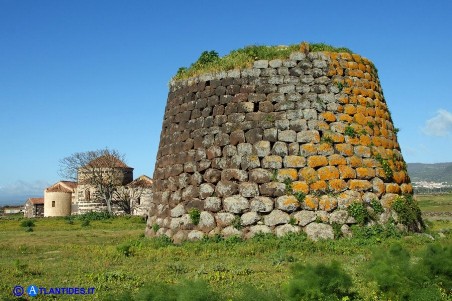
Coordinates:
(440, 125)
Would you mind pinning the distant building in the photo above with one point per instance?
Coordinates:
(68, 198)
(13, 209)
(34, 207)
(58, 198)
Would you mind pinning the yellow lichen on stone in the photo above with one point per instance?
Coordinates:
(360, 119)
(300, 186)
(308, 149)
(365, 173)
(345, 117)
(317, 161)
(336, 159)
(355, 161)
(327, 203)
(328, 173)
(359, 185)
(290, 173)
(337, 185)
(344, 149)
(308, 174)
(392, 188)
(311, 202)
(318, 186)
(349, 109)
(294, 161)
(346, 172)
(406, 188)
(328, 116)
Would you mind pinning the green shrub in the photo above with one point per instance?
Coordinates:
(125, 249)
(195, 215)
(359, 212)
(386, 166)
(27, 223)
(85, 223)
(237, 223)
(408, 213)
(438, 262)
(376, 206)
(300, 196)
(398, 277)
(319, 282)
(29, 229)
(94, 216)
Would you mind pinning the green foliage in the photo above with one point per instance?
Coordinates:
(376, 206)
(236, 223)
(437, 260)
(209, 61)
(274, 176)
(400, 278)
(340, 86)
(359, 212)
(292, 221)
(94, 216)
(28, 223)
(408, 212)
(396, 130)
(85, 223)
(125, 249)
(370, 124)
(337, 230)
(29, 229)
(288, 186)
(195, 215)
(319, 282)
(327, 139)
(155, 227)
(300, 196)
(385, 165)
(350, 131)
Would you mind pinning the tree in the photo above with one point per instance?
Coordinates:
(102, 169)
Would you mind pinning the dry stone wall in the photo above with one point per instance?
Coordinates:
(284, 146)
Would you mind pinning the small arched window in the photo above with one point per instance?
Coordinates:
(138, 200)
(87, 195)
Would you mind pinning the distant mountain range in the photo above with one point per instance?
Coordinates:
(437, 172)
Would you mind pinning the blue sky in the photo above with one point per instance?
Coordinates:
(84, 75)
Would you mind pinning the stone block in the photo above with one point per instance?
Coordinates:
(359, 185)
(317, 161)
(272, 189)
(304, 217)
(276, 217)
(287, 136)
(212, 175)
(206, 190)
(258, 229)
(327, 203)
(272, 162)
(279, 149)
(249, 218)
(234, 174)
(309, 136)
(226, 188)
(318, 231)
(287, 203)
(261, 204)
(260, 175)
(328, 173)
(248, 189)
(283, 230)
(235, 204)
(212, 204)
(262, 148)
(178, 211)
(224, 219)
(310, 202)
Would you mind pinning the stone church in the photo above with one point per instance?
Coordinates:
(66, 198)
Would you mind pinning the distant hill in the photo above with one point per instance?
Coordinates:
(438, 172)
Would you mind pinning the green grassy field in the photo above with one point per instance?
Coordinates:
(114, 257)
(441, 204)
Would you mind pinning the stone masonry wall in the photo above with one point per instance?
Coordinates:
(281, 147)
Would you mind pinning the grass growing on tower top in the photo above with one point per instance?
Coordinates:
(211, 62)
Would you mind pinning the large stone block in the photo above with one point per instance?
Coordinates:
(235, 204)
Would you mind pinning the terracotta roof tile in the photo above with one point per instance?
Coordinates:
(36, 201)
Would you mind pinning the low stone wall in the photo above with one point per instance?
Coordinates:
(282, 147)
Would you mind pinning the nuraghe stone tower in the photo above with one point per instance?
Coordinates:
(284, 146)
